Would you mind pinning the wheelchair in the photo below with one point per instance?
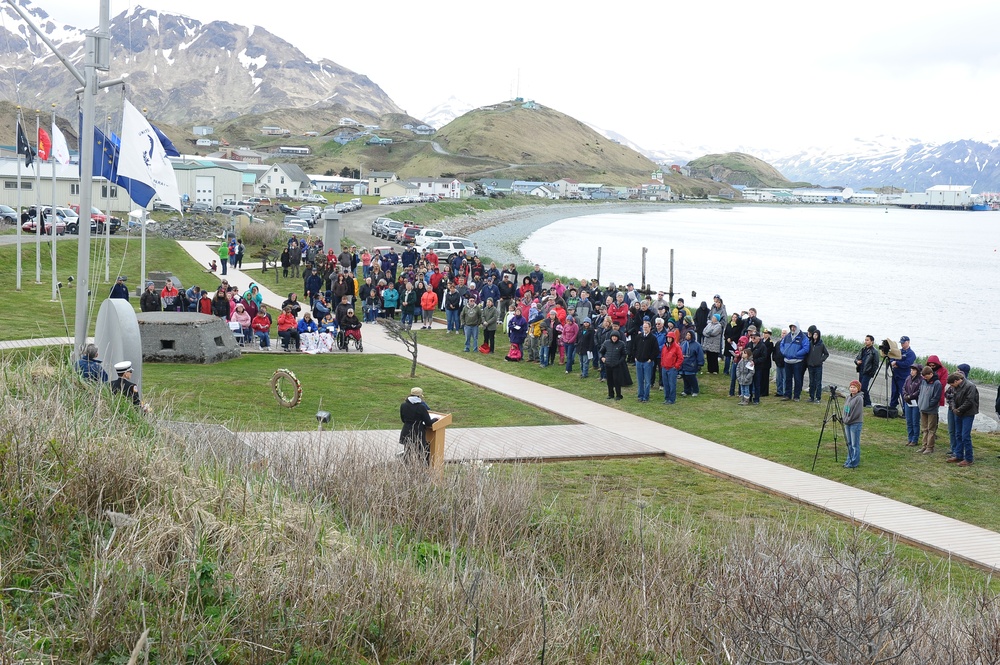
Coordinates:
(346, 337)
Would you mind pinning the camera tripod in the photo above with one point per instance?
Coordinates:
(833, 411)
(886, 371)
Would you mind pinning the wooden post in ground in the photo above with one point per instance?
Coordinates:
(598, 265)
(643, 280)
(670, 293)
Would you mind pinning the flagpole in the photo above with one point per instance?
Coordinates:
(19, 211)
(142, 248)
(52, 165)
(39, 217)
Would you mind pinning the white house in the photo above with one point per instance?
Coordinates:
(205, 182)
(378, 178)
(283, 180)
(864, 198)
(543, 192)
(566, 187)
(448, 188)
(348, 122)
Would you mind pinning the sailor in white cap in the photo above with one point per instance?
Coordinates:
(122, 385)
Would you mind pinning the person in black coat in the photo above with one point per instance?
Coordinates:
(416, 417)
(761, 355)
(700, 321)
(616, 368)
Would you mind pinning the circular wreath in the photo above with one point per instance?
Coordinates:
(278, 381)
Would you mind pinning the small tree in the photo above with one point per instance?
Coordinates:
(395, 330)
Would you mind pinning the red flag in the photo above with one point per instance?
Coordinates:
(44, 145)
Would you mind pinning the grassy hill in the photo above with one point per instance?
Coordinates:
(737, 168)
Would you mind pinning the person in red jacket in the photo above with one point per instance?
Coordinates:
(205, 304)
(942, 374)
(671, 359)
(428, 303)
(618, 310)
(261, 326)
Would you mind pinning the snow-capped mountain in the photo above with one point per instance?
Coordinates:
(678, 153)
(906, 163)
(183, 70)
(445, 112)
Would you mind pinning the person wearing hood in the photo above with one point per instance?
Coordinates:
(671, 361)
(911, 408)
(416, 417)
(616, 369)
(253, 293)
(795, 349)
(694, 360)
(941, 372)
(149, 301)
(701, 316)
(517, 329)
(712, 342)
(814, 363)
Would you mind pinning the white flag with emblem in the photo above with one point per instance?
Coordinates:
(142, 158)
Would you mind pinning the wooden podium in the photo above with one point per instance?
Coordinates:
(435, 435)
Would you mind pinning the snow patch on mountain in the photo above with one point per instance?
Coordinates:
(445, 112)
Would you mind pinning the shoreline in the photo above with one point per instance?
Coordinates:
(500, 233)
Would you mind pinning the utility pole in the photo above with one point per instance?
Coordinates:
(97, 58)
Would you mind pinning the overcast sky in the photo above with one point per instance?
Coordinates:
(723, 75)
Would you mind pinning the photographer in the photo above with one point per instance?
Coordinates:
(853, 419)
(866, 366)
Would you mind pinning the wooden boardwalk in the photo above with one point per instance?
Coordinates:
(489, 444)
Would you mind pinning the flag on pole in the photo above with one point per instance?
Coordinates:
(23, 147)
(168, 145)
(143, 159)
(60, 151)
(105, 165)
(44, 145)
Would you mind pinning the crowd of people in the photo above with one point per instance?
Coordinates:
(579, 326)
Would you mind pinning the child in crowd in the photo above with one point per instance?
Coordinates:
(744, 375)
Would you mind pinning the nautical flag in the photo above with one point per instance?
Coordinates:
(60, 151)
(105, 165)
(143, 159)
(168, 145)
(44, 144)
(23, 147)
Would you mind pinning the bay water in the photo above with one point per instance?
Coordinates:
(931, 275)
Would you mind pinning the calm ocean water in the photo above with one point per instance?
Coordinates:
(932, 275)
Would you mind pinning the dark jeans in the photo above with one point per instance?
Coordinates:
(798, 372)
(865, 382)
(490, 338)
(690, 384)
(816, 382)
(287, 336)
(964, 426)
(712, 360)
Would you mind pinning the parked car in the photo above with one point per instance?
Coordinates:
(8, 214)
(297, 228)
(389, 229)
(447, 249)
(98, 218)
(407, 235)
(200, 208)
(315, 198)
(66, 219)
(425, 236)
(471, 248)
(285, 208)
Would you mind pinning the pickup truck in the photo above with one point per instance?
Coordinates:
(100, 219)
(231, 206)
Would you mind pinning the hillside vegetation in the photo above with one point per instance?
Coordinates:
(118, 532)
(737, 168)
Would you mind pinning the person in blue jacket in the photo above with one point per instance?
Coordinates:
(901, 369)
(694, 359)
(119, 290)
(794, 348)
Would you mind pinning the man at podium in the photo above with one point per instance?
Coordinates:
(416, 417)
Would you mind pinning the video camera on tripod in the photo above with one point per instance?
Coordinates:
(890, 349)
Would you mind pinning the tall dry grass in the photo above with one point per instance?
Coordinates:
(113, 524)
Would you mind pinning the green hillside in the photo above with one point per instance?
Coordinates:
(737, 168)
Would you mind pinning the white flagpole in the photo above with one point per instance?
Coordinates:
(142, 253)
(39, 217)
(52, 165)
(20, 123)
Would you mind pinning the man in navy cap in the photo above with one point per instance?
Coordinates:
(901, 369)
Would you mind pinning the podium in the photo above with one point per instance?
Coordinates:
(435, 435)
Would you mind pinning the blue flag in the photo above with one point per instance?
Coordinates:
(168, 145)
(106, 166)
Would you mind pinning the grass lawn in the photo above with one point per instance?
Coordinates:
(682, 495)
(787, 433)
(30, 313)
(361, 391)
